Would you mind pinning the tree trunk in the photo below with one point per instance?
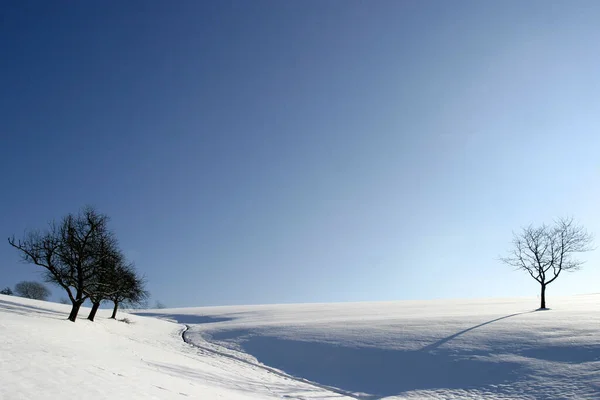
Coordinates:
(95, 307)
(114, 314)
(543, 298)
(75, 310)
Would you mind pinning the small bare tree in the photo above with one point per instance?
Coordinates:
(7, 291)
(32, 290)
(129, 288)
(545, 251)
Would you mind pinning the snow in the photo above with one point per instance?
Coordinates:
(479, 349)
(440, 349)
(43, 356)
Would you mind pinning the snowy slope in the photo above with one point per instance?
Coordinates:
(43, 356)
(477, 349)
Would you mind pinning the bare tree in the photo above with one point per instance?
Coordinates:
(106, 280)
(129, 289)
(32, 290)
(545, 251)
(141, 305)
(7, 291)
(68, 251)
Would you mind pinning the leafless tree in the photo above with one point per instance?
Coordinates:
(116, 280)
(545, 251)
(130, 288)
(7, 291)
(32, 290)
(106, 279)
(68, 251)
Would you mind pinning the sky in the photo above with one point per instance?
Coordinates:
(254, 152)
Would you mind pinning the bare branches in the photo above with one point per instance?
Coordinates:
(32, 290)
(72, 253)
(128, 288)
(545, 251)
(82, 255)
(43, 249)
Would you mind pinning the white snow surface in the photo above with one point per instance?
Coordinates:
(44, 356)
(439, 349)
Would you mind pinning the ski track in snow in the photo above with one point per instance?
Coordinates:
(494, 349)
(44, 356)
(222, 353)
(480, 349)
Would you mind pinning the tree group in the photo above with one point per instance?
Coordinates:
(82, 256)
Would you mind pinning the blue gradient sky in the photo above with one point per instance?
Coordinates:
(304, 151)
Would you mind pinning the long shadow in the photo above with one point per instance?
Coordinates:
(377, 372)
(19, 308)
(449, 338)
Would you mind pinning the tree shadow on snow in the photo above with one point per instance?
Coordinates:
(377, 372)
(437, 344)
(22, 309)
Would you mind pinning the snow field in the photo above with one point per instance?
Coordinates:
(490, 348)
(44, 356)
(460, 349)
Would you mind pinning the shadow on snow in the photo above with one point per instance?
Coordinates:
(564, 354)
(23, 309)
(374, 372)
(184, 318)
(437, 344)
(377, 372)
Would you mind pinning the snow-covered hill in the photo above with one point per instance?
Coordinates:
(44, 356)
(480, 349)
(476, 349)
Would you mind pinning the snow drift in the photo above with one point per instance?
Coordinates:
(44, 356)
(497, 348)
(476, 349)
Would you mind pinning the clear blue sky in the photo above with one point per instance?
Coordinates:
(304, 151)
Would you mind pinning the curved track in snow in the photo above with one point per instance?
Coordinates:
(269, 369)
